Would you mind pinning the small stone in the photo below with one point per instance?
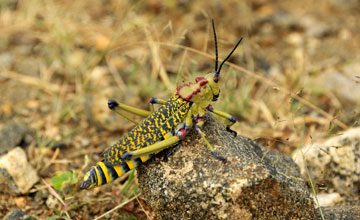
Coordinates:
(334, 162)
(342, 84)
(11, 135)
(295, 39)
(7, 184)
(18, 214)
(328, 199)
(20, 202)
(52, 202)
(23, 175)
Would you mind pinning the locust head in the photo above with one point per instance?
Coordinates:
(205, 89)
(213, 79)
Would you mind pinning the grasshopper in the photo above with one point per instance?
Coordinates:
(163, 128)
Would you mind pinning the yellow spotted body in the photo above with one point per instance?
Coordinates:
(150, 130)
(156, 127)
(161, 129)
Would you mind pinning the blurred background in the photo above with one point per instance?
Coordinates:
(294, 79)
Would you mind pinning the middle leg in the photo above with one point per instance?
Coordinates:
(199, 123)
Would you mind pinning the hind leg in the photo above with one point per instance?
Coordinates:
(117, 107)
(153, 101)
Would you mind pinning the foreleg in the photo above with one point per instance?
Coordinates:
(231, 119)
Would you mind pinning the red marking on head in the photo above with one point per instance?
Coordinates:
(197, 79)
(202, 83)
(185, 85)
(189, 97)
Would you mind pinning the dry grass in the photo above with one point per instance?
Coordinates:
(68, 57)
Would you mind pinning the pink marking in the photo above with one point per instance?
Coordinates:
(203, 83)
(182, 133)
(210, 108)
(199, 119)
(197, 79)
(185, 85)
(189, 97)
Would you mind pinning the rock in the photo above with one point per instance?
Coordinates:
(343, 84)
(52, 202)
(11, 135)
(334, 163)
(340, 213)
(18, 214)
(252, 184)
(328, 199)
(20, 201)
(18, 173)
(351, 200)
(7, 184)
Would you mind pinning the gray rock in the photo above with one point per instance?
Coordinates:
(23, 174)
(328, 199)
(252, 184)
(11, 135)
(334, 162)
(7, 184)
(340, 213)
(343, 84)
(18, 214)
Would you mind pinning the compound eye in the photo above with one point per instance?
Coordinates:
(215, 97)
(216, 76)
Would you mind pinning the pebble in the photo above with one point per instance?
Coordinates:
(16, 171)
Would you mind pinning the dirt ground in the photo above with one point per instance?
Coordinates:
(293, 80)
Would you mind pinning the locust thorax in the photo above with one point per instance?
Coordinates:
(203, 91)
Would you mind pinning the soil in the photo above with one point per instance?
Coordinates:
(60, 61)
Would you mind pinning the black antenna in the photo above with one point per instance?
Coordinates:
(216, 48)
(237, 44)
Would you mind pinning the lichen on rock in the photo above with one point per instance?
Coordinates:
(252, 184)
